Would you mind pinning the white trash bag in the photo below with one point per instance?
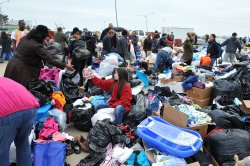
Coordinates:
(105, 113)
(107, 65)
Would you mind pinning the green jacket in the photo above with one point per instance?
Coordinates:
(188, 50)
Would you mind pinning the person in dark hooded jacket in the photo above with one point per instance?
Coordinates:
(212, 49)
(232, 45)
(6, 46)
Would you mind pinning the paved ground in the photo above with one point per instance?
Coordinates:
(74, 159)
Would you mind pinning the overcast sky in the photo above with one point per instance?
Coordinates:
(221, 17)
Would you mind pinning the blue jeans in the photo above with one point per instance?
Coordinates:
(165, 57)
(213, 60)
(16, 127)
(7, 55)
(120, 111)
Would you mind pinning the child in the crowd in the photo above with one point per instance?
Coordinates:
(121, 93)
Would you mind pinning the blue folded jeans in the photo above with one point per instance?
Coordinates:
(16, 127)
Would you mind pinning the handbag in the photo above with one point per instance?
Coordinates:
(49, 153)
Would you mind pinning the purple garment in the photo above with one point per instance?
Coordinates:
(200, 85)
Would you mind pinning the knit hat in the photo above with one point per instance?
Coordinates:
(43, 30)
(75, 30)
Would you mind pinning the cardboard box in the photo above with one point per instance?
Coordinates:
(81, 89)
(194, 164)
(246, 106)
(149, 153)
(180, 119)
(152, 160)
(165, 81)
(205, 151)
(209, 78)
(201, 103)
(178, 78)
(200, 94)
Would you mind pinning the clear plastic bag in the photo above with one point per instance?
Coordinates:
(60, 117)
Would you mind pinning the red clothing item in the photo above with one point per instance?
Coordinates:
(126, 93)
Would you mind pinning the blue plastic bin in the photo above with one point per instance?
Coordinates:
(169, 139)
(43, 111)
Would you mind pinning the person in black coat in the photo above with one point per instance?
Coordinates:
(212, 49)
(6, 46)
(148, 43)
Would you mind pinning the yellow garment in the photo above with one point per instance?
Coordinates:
(19, 35)
(184, 69)
(58, 96)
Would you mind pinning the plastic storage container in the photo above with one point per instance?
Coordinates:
(43, 111)
(169, 139)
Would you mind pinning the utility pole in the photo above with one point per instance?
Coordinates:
(116, 14)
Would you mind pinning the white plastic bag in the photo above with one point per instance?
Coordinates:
(107, 65)
(132, 53)
(60, 116)
(106, 113)
(152, 58)
(12, 152)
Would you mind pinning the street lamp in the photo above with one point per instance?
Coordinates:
(1, 10)
(146, 18)
(104, 22)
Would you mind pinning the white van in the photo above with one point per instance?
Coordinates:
(140, 33)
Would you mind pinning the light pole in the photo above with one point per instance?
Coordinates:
(104, 23)
(146, 18)
(116, 14)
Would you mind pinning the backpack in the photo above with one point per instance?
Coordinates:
(220, 51)
(80, 51)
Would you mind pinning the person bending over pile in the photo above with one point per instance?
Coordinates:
(28, 60)
(121, 93)
(18, 109)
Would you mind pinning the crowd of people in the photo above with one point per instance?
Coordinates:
(29, 56)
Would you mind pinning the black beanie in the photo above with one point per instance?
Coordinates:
(75, 30)
(43, 30)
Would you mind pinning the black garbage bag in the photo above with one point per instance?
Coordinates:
(95, 91)
(41, 89)
(224, 144)
(54, 50)
(226, 120)
(203, 159)
(232, 88)
(175, 100)
(69, 87)
(99, 137)
(245, 81)
(135, 82)
(225, 100)
(234, 110)
(82, 118)
(163, 91)
(92, 160)
(134, 117)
